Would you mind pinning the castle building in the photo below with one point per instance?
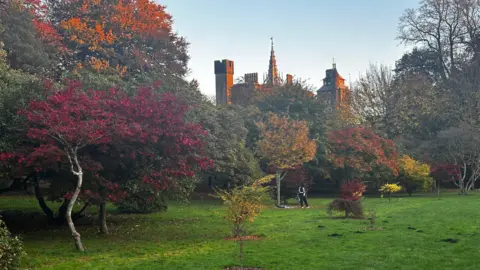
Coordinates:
(240, 93)
(334, 89)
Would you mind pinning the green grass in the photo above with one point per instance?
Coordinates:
(192, 237)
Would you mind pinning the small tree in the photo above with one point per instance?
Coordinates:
(389, 189)
(414, 174)
(353, 190)
(82, 126)
(243, 205)
(285, 143)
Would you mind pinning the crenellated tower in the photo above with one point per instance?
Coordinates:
(223, 81)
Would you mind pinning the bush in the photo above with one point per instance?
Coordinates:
(11, 249)
(244, 203)
(347, 206)
(141, 199)
(414, 174)
(389, 189)
(352, 190)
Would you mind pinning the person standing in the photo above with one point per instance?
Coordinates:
(302, 193)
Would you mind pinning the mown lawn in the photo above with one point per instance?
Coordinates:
(192, 237)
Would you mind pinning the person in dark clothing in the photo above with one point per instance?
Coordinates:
(302, 193)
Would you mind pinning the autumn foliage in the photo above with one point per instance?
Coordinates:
(285, 143)
(414, 173)
(114, 37)
(389, 189)
(362, 151)
(352, 190)
(72, 126)
(244, 203)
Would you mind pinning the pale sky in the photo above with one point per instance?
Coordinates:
(308, 34)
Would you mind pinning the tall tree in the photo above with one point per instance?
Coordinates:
(126, 38)
(447, 29)
(373, 98)
(285, 144)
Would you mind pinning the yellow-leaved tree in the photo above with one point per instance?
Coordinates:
(285, 144)
(414, 174)
(389, 189)
(244, 203)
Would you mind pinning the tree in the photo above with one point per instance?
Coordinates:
(419, 61)
(16, 90)
(126, 38)
(226, 139)
(72, 124)
(373, 98)
(458, 147)
(353, 190)
(358, 151)
(414, 174)
(447, 29)
(243, 205)
(285, 143)
(31, 44)
(389, 189)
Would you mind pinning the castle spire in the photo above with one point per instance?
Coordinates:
(272, 78)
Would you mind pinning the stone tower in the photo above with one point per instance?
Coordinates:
(223, 81)
(334, 88)
(272, 77)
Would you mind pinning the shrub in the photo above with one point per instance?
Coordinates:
(347, 206)
(11, 249)
(389, 189)
(352, 190)
(244, 203)
(414, 174)
(141, 199)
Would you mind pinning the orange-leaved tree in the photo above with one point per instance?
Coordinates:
(285, 144)
(127, 37)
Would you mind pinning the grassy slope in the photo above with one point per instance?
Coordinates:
(191, 237)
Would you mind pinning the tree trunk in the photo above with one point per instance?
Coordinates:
(278, 187)
(71, 203)
(438, 189)
(41, 200)
(102, 217)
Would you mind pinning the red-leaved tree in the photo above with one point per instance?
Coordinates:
(353, 190)
(358, 150)
(72, 122)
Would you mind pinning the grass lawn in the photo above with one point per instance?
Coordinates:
(192, 237)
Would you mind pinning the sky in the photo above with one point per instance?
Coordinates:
(308, 35)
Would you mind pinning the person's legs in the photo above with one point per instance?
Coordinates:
(301, 200)
(305, 199)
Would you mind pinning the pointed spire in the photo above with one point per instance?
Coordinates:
(272, 78)
(334, 65)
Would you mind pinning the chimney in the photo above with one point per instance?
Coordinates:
(289, 79)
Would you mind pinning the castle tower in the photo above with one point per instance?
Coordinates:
(223, 81)
(334, 88)
(272, 77)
